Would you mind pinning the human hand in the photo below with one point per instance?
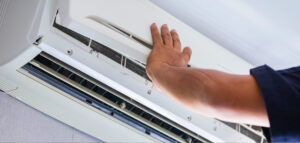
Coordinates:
(166, 51)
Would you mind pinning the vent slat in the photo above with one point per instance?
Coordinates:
(70, 75)
(250, 134)
(92, 88)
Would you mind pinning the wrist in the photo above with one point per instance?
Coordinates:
(155, 70)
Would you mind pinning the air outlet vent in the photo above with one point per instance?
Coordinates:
(109, 101)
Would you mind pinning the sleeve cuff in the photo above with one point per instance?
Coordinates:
(281, 105)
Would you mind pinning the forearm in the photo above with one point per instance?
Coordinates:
(212, 93)
(186, 85)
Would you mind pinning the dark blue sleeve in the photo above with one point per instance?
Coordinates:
(281, 94)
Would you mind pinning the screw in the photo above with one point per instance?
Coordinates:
(70, 52)
(189, 118)
(149, 91)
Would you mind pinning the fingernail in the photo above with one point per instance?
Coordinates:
(173, 30)
(165, 25)
(153, 24)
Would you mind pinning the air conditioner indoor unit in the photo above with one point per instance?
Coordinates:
(83, 63)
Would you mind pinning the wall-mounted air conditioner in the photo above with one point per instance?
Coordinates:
(83, 63)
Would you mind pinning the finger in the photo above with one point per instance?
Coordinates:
(166, 36)
(187, 52)
(176, 40)
(156, 38)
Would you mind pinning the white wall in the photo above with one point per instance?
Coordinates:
(21, 123)
(261, 32)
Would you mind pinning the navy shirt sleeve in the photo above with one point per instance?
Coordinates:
(281, 94)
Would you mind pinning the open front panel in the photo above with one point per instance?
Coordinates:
(132, 20)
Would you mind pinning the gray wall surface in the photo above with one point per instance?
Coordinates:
(261, 32)
(21, 123)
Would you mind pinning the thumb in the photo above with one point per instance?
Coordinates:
(187, 52)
